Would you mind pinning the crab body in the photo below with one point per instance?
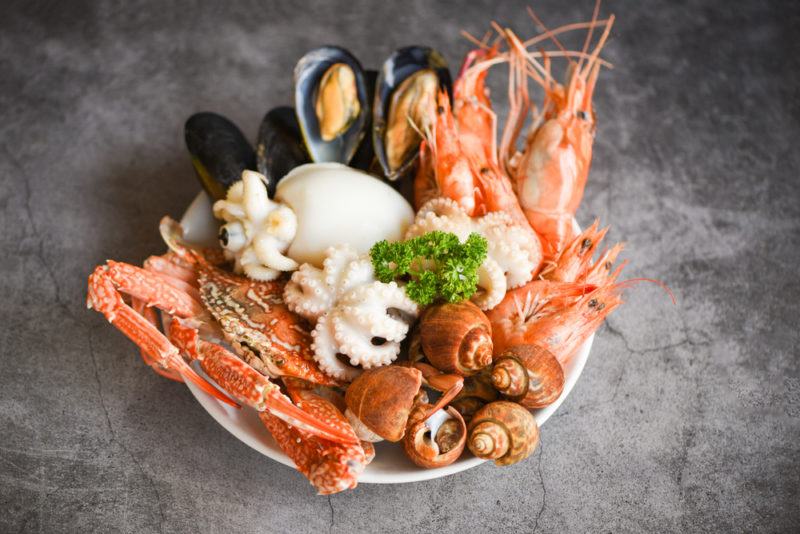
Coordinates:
(205, 305)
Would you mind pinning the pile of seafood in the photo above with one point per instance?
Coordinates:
(390, 266)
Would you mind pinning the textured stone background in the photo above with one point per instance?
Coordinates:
(687, 416)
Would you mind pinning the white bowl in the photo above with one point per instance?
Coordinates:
(390, 465)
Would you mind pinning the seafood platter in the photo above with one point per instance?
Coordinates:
(394, 276)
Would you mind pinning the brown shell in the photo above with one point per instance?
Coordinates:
(415, 353)
(476, 393)
(504, 432)
(529, 375)
(382, 399)
(444, 448)
(480, 386)
(468, 407)
(456, 338)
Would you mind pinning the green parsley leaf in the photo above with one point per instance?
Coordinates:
(437, 266)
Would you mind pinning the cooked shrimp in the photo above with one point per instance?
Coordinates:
(550, 173)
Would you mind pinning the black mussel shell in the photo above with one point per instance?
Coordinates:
(331, 103)
(364, 158)
(407, 79)
(280, 146)
(220, 152)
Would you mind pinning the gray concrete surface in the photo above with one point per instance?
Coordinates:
(686, 418)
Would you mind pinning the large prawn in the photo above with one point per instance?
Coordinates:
(458, 158)
(559, 313)
(550, 172)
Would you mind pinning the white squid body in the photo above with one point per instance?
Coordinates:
(258, 231)
(352, 311)
(509, 262)
(316, 206)
(338, 205)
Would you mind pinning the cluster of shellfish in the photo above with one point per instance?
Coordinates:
(370, 120)
(387, 269)
(447, 391)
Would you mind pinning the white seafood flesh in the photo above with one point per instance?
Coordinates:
(337, 205)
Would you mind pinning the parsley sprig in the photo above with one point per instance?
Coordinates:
(436, 266)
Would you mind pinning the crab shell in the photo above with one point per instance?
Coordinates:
(380, 401)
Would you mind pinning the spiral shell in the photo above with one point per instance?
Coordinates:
(504, 432)
(441, 449)
(456, 338)
(381, 400)
(529, 375)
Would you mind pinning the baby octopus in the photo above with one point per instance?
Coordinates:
(356, 316)
(257, 230)
(509, 262)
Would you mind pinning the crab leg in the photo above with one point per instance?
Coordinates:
(330, 467)
(105, 297)
(168, 264)
(151, 288)
(237, 378)
(150, 314)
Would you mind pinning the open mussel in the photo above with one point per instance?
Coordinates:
(280, 146)
(364, 157)
(405, 97)
(220, 152)
(331, 102)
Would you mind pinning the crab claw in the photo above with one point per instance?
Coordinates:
(330, 467)
(243, 382)
(104, 297)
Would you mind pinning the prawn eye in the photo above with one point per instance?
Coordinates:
(581, 115)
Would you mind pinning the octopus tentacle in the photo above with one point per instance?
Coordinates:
(359, 319)
(307, 294)
(492, 285)
(257, 230)
(326, 351)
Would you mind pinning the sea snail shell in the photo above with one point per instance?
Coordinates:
(476, 393)
(504, 432)
(442, 449)
(379, 402)
(529, 375)
(456, 338)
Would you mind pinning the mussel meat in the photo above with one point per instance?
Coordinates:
(279, 148)
(331, 103)
(220, 152)
(405, 100)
